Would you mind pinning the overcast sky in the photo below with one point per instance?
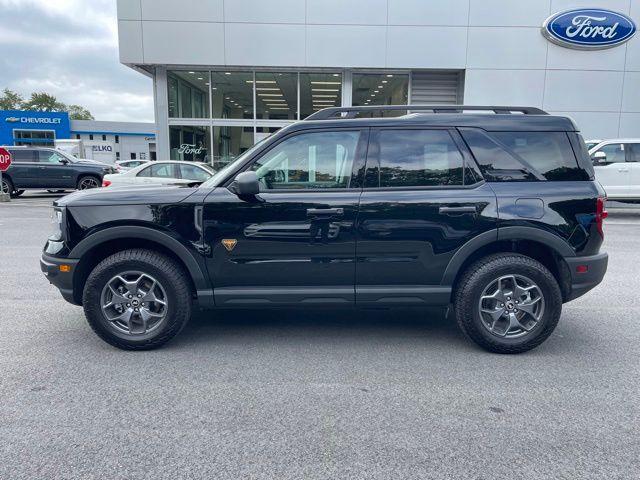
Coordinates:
(69, 48)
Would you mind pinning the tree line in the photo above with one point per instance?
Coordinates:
(41, 102)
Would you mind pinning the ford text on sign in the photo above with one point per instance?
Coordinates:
(589, 28)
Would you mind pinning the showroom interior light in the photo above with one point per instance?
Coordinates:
(261, 81)
(325, 90)
(324, 83)
(270, 95)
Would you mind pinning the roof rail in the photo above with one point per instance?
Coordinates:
(351, 112)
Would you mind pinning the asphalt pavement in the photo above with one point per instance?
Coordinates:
(315, 394)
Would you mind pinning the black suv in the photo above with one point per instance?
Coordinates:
(492, 210)
(50, 169)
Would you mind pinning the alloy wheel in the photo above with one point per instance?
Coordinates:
(87, 183)
(511, 306)
(134, 303)
(5, 187)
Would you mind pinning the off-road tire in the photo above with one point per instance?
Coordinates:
(169, 273)
(474, 280)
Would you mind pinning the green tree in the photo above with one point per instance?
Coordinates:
(43, 102)
(11, 100)
(78, 112)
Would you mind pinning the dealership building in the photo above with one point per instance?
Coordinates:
(226, 73)
(124, 140)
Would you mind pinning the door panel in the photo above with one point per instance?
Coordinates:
(24, 168)
(406, 239)
(415, 213)
(52, 173)
(294, 242)
(287, 250)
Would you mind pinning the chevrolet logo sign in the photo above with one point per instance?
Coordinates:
(12, 119)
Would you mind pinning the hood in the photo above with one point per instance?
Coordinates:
(128, 195)
(86, 161)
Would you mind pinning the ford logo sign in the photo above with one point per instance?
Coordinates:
(588, 28)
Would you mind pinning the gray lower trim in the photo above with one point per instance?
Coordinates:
(283, 295)
(403, 295)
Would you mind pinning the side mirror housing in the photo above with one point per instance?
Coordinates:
(64, 161)
(246, 184)
(599, 158)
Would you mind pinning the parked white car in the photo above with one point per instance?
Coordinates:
(125, 165)
(161, 173)
(617, 166)
(592, 143)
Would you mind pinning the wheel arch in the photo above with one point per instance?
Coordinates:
(540, 245)
(98, 246)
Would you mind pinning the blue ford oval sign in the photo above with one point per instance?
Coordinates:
(589, 28)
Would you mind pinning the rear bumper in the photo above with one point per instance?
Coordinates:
(582, 282)
(63, 281)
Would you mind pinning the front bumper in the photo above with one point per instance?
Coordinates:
(63, 280)
(586, 273)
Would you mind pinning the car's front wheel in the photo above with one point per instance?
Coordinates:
(508, 303)
(137, 299)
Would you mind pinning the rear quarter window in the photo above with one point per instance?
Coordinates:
(524, 156)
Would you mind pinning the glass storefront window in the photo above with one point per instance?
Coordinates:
(277, 96)
(188, 94)
(228, 143)
(318, 91)
(190, 143)
(381, 89)
(232, 94)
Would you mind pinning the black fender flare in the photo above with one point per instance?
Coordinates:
(556, 243)
(196, 269)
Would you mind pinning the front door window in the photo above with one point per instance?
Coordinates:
(318, 160)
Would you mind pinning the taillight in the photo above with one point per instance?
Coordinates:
(601, 214)
(106, 183)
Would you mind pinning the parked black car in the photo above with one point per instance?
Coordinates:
(50, 169)
(496, 214)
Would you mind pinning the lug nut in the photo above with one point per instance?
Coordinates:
(139, 295)
(142, 304)
(129, 296)
(136, 309)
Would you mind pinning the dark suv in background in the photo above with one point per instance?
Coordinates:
(50, 169)
(491, 210)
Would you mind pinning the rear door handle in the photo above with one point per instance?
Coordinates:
(325, 212)
(623, 169)
(467, 209)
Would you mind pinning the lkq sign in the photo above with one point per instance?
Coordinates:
(589, 29)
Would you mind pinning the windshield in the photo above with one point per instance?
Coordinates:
(224, 171)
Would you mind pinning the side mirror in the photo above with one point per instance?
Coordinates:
(599, 158)
(246, 183)
(64, 161)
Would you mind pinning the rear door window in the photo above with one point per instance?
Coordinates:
(192, 172)
(633, 152)
(166, 170)
(415, 158)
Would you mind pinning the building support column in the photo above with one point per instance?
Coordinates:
(161, 106)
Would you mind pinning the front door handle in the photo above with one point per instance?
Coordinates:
(448, 210)
(325, 212)
(623, 169)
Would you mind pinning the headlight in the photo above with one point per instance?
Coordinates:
(57, 227)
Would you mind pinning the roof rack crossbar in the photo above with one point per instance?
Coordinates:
(351, 112)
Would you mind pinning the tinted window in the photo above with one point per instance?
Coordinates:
(22, 155)
(524, 156)
(549, 153)
(614, 152)
(164, 170)
(417, 158)
(310, 160)
(48, 156)
(191, 172)
(145, 172)
(633, 152)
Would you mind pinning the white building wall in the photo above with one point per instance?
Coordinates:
(497, 42)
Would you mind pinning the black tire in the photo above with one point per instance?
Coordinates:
(85, 179)
(480, 275)
(7, 186)
(169, 274)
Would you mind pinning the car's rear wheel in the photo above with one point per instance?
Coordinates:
(137, 299)
(85, 183)
(508, 303)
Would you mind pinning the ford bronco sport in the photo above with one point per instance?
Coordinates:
(493, 211)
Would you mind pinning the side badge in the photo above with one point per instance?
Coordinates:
(229, 243)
